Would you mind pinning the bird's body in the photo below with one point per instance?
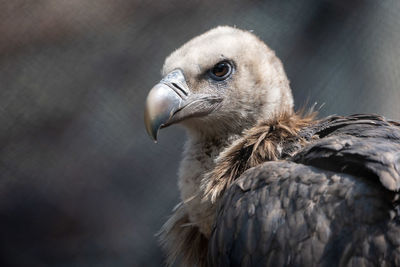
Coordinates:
(262, 185)
(331, 202)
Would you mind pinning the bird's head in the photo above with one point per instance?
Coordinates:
(220, 82)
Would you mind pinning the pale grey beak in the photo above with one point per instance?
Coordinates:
(171, 101)
(163, 100)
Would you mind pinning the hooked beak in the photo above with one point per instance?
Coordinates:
(170, 101)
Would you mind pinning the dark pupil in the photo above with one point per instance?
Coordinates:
(220, 69)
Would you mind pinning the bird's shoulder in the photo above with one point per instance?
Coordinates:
(333, 200)
(364, 145)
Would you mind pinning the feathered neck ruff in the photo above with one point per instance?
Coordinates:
(269, 140)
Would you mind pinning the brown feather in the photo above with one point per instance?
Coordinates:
(258, 144)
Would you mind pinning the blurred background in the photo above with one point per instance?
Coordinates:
(81, 184)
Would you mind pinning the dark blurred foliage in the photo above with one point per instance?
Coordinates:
(80, 182)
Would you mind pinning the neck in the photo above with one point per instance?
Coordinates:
(199, 159)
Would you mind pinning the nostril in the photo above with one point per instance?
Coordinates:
(180, 89)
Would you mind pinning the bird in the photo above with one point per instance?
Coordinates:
(262, 184)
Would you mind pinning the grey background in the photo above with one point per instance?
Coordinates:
(80, 182)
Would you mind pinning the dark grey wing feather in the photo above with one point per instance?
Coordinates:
(289, 214)
(358, 125)
(334, 212)
(369, 158)
(361, 145)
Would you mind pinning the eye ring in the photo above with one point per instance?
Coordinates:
(221, 71)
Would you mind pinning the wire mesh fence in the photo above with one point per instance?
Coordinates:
(81, 183)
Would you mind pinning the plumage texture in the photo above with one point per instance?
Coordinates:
(262, 185)
(265, 142)
(333, 203)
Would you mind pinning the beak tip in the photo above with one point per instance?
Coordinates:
(153, 136)
(151, 124)
(152, 130)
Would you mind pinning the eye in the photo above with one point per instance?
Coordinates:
(221, 71)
